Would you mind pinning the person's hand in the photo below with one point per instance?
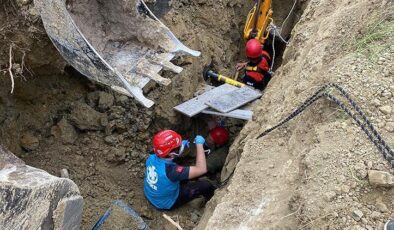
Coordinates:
(186, 143)
(199, 140)
(240, 65)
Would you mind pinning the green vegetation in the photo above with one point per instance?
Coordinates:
(377, 38)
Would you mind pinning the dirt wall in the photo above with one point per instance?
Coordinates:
(312, 172)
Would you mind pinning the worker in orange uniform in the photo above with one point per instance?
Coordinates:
(257, 68)
(163, 177)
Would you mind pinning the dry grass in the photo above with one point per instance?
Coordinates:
(377, 39)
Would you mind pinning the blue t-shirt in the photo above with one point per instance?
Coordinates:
(161, 182)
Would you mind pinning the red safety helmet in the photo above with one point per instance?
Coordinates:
(165, 141)
(253, 49)
(219, 135)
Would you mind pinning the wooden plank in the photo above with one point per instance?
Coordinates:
(234, 99)
(238, 113)
(196, 105)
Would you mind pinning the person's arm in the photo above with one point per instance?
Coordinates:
(201, 164)
(240, 65)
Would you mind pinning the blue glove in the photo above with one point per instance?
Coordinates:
(199, 140)
(186, 143)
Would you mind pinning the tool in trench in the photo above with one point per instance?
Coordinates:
(208, 73)
(121, 44)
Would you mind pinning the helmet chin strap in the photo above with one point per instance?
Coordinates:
(180, 152)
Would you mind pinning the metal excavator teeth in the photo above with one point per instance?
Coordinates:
(121, 44)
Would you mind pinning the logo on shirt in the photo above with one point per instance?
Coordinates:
(179, 168)
(152, 177)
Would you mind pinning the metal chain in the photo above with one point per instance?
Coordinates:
(364, 123)
(364, 117)
(387, 154)
(373, 135)
(296, 112)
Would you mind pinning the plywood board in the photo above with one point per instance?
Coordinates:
(238, 113)
(234, 99)
(196, 105)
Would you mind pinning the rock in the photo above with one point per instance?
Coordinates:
(36, 199)
(390, 127)
(64, 131)
(92, 98)
(29, 142)
(345, 188)
(380, 178)
(376, 102)
(386, 109)
(112, 140)
(356, 227)
(23, 2)
(329, 196)
(379, 225)
(364, 220)
(381, 207)
(357, 215)
(194, 217)
(375, 215)
(368, 227)
(64, 173)
(122, 99)
(106, 100)
(147, 212)
(369, 164)
(116, 155)
(85, 117)
(361, 171)
(68, 213)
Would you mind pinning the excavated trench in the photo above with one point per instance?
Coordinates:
(56, 118)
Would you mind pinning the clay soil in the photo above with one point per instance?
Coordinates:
(57, 119)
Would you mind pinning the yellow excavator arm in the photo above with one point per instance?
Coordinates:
(257, 21)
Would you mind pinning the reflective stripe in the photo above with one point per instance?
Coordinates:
(251, 68)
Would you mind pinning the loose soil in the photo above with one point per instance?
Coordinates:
(310, 174)
(57, 119)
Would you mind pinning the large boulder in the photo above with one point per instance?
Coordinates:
(86, 118)
(64, 131)
(33, 199)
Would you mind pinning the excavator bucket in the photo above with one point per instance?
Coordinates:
(257, 21)
(121, 44)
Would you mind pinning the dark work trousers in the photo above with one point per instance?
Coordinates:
(257, 84)
(191, 190)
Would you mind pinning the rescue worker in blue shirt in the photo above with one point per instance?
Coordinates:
(162, 182)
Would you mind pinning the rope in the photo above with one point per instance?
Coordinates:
(287, 17)
(359, 117)
(273, 54)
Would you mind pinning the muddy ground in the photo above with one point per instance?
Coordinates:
(56, 118)
(310, 174)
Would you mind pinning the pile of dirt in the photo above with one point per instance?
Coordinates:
(313, 172)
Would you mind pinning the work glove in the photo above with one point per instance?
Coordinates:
(199, 140)
(185, 143)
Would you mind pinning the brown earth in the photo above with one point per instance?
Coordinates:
(312, 172)
(309, 174)
(57, 119)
